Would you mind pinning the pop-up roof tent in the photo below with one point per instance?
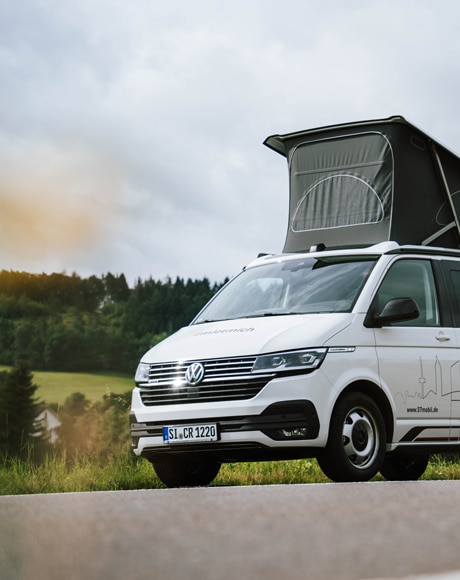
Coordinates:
(361, 183)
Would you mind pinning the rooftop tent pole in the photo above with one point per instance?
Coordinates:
(438, 234)
(455, 224)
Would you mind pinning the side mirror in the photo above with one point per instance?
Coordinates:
(395, 310)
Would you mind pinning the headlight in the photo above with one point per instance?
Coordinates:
(308, 359)
(142, 373)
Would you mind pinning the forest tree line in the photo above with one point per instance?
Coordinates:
(64, 322)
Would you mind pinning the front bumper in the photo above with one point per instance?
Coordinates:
(280, 431)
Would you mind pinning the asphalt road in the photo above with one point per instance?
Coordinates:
(316, 531)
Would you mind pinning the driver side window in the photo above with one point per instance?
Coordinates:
(409, 278)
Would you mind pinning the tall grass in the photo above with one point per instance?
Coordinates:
(56, 474)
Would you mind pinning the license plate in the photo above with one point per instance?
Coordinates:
(189, 433)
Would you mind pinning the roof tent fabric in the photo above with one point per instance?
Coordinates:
(362, 183)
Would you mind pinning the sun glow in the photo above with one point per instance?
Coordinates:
(54, 204)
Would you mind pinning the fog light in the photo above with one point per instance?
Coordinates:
(294, 433)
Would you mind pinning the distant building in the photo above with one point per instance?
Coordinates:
(46, 424)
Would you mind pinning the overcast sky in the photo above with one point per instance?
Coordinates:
(131, 132)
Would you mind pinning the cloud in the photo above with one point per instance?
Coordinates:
(131, 133)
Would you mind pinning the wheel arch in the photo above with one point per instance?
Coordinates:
(380, 399)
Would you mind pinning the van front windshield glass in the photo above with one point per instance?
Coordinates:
(297, 286)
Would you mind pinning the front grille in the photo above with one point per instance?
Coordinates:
(227, 379)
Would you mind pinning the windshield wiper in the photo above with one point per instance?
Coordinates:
(255, 315)
(274, 313)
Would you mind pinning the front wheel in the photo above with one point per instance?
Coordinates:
(357, 439)
(404, 468)
(175, 472)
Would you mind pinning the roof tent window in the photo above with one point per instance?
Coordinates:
(341, 182)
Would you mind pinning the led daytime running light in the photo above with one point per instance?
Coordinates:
(308, 359)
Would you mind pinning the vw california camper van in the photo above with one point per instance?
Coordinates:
(344, 347)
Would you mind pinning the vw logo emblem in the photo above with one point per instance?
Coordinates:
(194, 374)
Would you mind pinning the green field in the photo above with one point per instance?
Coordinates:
(54, 387)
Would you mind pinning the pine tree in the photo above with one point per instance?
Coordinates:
(18, 410)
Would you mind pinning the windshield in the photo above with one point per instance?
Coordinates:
(298, 286)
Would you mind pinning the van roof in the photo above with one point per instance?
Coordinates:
(389, 247)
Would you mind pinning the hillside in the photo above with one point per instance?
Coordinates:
(57, 322)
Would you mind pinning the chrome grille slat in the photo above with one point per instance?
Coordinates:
(225, 380)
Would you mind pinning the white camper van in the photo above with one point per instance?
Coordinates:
(347, 352)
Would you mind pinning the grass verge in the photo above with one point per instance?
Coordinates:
(126, 472)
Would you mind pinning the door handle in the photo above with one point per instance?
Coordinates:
(442, 337)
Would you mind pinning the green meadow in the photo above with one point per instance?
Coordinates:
(55, 387)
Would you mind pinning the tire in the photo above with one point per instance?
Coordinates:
(357, 438)
(404, 467)
(185, 473)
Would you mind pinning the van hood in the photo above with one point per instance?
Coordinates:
(248, 336)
